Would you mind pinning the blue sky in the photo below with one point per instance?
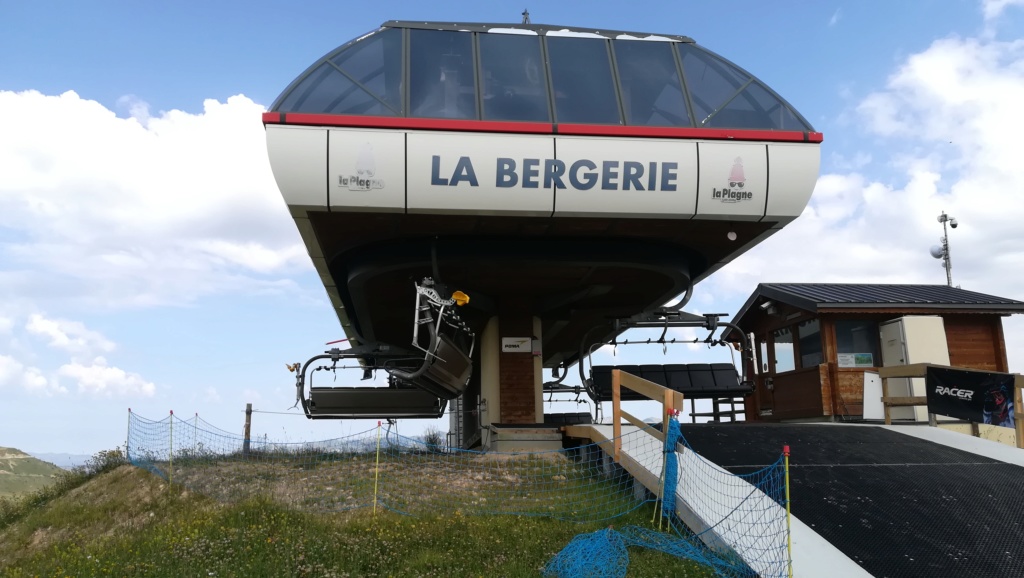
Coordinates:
(147, 260)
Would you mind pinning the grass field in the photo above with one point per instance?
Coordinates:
(20, 473)
(117, 520)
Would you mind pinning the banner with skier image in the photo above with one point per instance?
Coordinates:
(977, 396)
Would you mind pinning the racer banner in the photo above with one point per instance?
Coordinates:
(977, 396)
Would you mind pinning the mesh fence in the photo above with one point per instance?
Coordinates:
(734, 523)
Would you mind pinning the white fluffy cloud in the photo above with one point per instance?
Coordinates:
(993, 8)
(143, 210)
(945, 121)
(70, 336)
(102, 380)
(13, 373)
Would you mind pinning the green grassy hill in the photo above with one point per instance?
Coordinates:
(123, 521)
(21, 473)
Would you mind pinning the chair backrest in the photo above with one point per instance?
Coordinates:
(701, 378)
(654, 374)
(449, 371)
(678, 375)
(601, 382)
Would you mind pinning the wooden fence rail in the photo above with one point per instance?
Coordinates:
(921, 370)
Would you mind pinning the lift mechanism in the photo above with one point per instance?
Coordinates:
(421, 380)
(696, 380)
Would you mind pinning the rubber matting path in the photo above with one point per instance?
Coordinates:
(897, 505)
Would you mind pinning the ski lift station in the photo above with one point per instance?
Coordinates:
(564, 184)
(489, 204)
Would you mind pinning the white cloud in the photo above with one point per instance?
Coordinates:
(6, 324)
(101, 380)
(993, 8)
(112, 212)
(836, 16)
(945, 122)
(136, 107)
(71, 336)
(15, 374)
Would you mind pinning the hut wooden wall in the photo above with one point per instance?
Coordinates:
(976, 342)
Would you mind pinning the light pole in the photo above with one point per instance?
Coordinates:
(942, 251)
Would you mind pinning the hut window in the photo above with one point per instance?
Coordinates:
(782, 347)
(810, 343)
(857, 343)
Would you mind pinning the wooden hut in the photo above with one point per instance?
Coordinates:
(815, 341)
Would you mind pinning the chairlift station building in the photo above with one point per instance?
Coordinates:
(562, 178)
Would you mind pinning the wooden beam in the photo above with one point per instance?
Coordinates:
(912, 370)
(666, 409)
(904, 401)
(640, 385)
(643, 425)
(617, 412)
(580, 432)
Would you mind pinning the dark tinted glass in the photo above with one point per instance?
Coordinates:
(710, 80)
(442, 82)
(376, 63)
(326, 90)
(649, 84)
(581, 76)
(755, 107)
(513, 82)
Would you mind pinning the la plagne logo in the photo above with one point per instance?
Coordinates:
(366, 168)
(735, 192)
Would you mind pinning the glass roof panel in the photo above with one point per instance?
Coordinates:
(513, 81)
(710, 80)
(755, 108)
(581, 76)
(371, 76)
(327, 91)
(442, 82)
(649, 84)
(376, 63)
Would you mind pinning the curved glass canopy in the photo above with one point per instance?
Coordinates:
(533, 73)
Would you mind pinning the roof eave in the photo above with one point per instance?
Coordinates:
(540, 29)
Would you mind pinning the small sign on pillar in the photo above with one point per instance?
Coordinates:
(516, 345)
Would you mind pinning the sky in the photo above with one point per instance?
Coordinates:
(147, 260)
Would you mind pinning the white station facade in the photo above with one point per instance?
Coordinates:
(560, 177)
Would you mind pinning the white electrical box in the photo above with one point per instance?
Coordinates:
(907, 340)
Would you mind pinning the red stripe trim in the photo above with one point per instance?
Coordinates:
(338, 120)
